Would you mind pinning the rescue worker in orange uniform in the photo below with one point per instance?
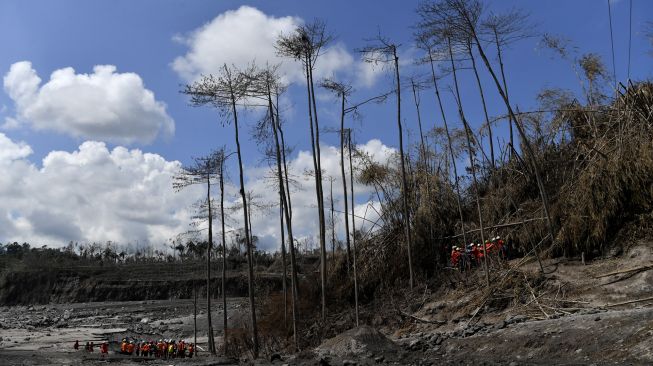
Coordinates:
(159, 349)
(181, 349)
(502, 248)
(146, 350)
(191, 350)
(455, 256)
(130, 348)
(476, 254)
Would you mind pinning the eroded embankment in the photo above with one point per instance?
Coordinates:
(70, 286)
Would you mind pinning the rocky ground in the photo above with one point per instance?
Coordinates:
(45, 334)
(575, 314)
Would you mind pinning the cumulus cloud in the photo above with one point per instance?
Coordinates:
(104, 105)
(91, 194)
(247, 34)
(126, 196)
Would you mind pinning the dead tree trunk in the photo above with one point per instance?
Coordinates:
(333, 221)
(211, 339)
(404, 181)
(318, 183)
(224, 260)
(318, 172)
(424, 163)
(461, 113)
(450, 145)
(288, 207)
(195, 313)
(422, 144)
(505, 85)
(351, 184)
(342, 170)
(480, 90)
(250, 265)
(522, 135)
(285, 204)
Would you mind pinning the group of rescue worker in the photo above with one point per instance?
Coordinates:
(471, 255)
(90, 346)
(163, 348)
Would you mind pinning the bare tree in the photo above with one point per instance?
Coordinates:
(472, 164)
(382, 50)
(353, 223)
(332, 219)
(342, 91)
(203, 171)
(416, 86)
(224, 92)
(221, 173)
(267, 85)
(461, 17)
(502, 30)
(424, 42)
(306, 45)
(470, 52)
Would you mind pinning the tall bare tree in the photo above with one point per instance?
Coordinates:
(472, 164)
(204, 170)
(332, 219)
(306, 44)
(353, 223)
(224, 91)
(425, 43)
(343, 91)
(222, 158)
(268, 86)
(462, 18)
(382, 50)
(470, 51)
(502, 30)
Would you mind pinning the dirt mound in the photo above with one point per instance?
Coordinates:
(357, 341)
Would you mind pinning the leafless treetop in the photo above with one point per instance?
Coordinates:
(305, 43)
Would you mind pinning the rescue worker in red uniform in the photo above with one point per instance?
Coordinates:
(455, 256)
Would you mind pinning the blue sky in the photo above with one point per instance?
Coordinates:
(146, 37)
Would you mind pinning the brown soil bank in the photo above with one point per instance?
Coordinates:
(70, 286)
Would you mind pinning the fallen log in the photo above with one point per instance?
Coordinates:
(629, 302)
(638, 269)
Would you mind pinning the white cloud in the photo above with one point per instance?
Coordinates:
(104, 105)
(10, 151)
(369, 72)
(126, 196)
(10, 123)
(91, 194)
(247, 34)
